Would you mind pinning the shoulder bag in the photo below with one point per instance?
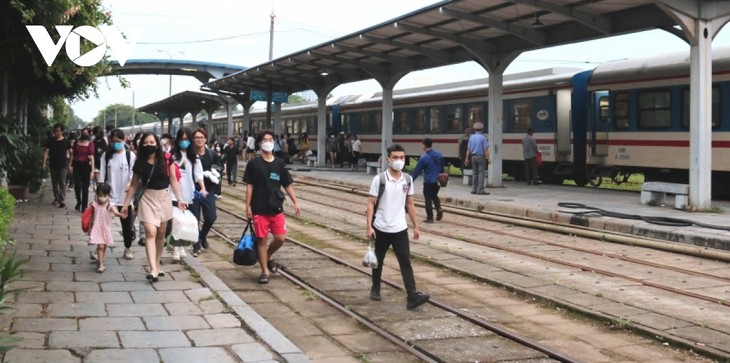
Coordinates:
(442, 178)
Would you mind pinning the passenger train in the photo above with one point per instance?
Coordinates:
(623, 117)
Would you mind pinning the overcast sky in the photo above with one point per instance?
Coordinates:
(236, 32)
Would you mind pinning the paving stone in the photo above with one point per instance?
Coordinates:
(72, 286)
(83, 339)
(104, 297)
(252, 352)
(25, 310)
(136, 310)
(44, 324)
(153, 339)
(134, 286)
(41, 297)
(26, 286)
(29, 340)
(186, 308)
(76, 309)
(40, 356)
(212, 307)
(111, 324)
(214, 354)
(166, 285)
(162, 297)
(197, 295)
(121, 356)
(223, 321)
(188, 322)
(94, 276)
(47, 276)
(203, 338)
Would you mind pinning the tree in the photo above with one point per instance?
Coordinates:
(123, 116)
(294, 99)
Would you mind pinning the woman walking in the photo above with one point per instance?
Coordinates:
(154, 177)
(83, 159)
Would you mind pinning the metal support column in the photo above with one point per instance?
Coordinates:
(700, 126)
(276, 126)
(321, 129)
(494, 129)
(229, 115)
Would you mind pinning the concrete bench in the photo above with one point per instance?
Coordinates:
(654, 192)
(468, 175)
(373, 167)
(311, 161)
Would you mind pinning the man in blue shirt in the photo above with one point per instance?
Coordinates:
(431, 162)
(477, 154)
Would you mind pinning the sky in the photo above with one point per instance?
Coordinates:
(236, 32)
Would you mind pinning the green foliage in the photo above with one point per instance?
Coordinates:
(25, 168)
(9, 271)
(123, 116)
(7, 213)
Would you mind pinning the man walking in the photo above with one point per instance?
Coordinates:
(477, 155)
(264, 178)
(57, 147)
(431, 163)
(529, 153)
(386, 222)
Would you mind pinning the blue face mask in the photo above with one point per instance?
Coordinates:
(118, 146)
(184, 144)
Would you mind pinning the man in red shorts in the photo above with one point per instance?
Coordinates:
(264, 177)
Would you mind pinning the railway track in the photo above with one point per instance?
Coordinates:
(345, 217)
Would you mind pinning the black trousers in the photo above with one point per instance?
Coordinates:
(402, 249)
(431, 196)
(207, 206)
(127, 232)
(531, 170)
(82, 179)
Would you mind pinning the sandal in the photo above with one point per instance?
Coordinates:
(264, 279)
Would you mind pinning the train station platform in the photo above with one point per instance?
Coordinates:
(67, 312)
(541, 202)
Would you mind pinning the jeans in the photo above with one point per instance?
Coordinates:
(127, 224)
(207, 205)
(82, 179)
(479, 164)
(231, 171)
(58, 180)
(402, 249)
(431, 196)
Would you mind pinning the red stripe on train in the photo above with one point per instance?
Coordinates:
(653, 143)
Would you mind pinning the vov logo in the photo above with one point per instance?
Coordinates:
(105, 36)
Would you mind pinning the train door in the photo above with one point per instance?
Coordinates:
(562, 131)
(599, 124)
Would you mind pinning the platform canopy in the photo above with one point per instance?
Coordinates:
(202, 71)
(448, 32)
(179, 105)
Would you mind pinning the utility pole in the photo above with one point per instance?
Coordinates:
(170, 54)
(271, 56)
(134, 110)
(115, 116)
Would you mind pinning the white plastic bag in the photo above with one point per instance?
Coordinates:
(369, 260)
(184, 225)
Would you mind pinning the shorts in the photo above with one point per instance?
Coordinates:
(263, 224)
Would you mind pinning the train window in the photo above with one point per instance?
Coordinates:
(377, 118)
(715, 108)
(419, 126)
(621, 110)
(401, 121)
(603, 108)
(435, 120)
(366, 124)
(312, 125)
(476, 114)
(655, 109)
(454, 119)
(521, 115)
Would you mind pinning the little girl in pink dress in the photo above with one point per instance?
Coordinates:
(101, 230)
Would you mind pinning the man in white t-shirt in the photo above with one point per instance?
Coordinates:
(117, 172)
(386, 222)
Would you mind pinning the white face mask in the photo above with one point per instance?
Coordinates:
(163, 142)
(102, 200)
(397, 165)
(267, 146)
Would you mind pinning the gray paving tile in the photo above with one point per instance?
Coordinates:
(40, 356)
(153, 339)
(214, 354)
(127, 286)
(44, 297)
(83, 339)
(185, 308)
(104, 297)
(72, 286)
(143, 297)
(252, 352)
(121, 356)
(111, 324)
(175, 322)
(204, 338)
(44, 324)
(94, 276)
(76, 309)
(136, 310)
(223, 321)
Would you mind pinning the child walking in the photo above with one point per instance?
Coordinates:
(101, 230)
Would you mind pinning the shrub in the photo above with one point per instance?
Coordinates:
(7, 213)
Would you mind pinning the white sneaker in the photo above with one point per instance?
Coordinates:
(128, 254)
(175, 254)
(182, 252)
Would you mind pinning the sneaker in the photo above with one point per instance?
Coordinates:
(175, 254)
(182, 252)
(128, 254)
(217, 196)
(375, 294)
(428, 220)
(196, 253)
(439, 214)
(417, 300)
(141, 242)
(204, 244)
(62, 205)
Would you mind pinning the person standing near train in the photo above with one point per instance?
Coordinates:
(264, 177)
(529, 153)
(389, 192)
(208, 160)
(477, 155)
(230, 156)
(431, 163)
(463, 146)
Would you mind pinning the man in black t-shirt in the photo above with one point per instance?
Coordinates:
(264, 177)
(57, 147)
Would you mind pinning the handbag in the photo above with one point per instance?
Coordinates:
(246, 253)
(184, 228)
(538, 159)
(442, 178)
(87, 219)
(139, 192)
(369, 259)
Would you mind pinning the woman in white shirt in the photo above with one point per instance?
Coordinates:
(191, 172)
(356, 147)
